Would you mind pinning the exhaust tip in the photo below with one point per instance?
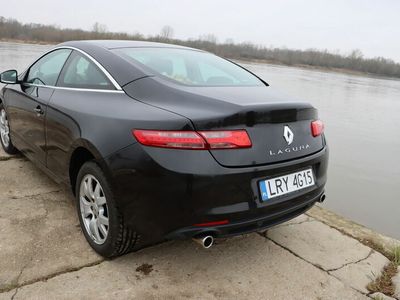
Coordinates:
(205, 241)
(208, 241)
(322, 198)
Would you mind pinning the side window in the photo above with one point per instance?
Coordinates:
(47, 69)
(81, 72)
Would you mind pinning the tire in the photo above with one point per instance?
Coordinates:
(5, 138)
(109, 241)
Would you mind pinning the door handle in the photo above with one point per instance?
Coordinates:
(39, 110)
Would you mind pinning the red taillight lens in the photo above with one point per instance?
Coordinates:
(170, 139)
(193, 140)
(317, 128)
(226, 139)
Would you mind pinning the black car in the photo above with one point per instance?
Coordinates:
(160, 142)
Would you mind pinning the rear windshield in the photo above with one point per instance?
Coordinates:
(190, 67)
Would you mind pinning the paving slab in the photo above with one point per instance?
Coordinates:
(359, 274)
(319, 244)
(351, 228)
(40, 236)
(248, 267)
(298, 220)
(20, 178)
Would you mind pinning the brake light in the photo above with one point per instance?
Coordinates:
(317, 128)
(226, 139)
(170, 139)
(202, 140)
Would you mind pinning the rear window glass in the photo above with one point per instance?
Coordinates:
(190, 67)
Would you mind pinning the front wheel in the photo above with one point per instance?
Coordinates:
(5, 138)
(101, 222)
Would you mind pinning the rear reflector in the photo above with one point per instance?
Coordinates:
(202, 140)
(317, 128)
(215, 223)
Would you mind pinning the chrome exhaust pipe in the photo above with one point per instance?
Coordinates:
(322, 198)
(206, 241)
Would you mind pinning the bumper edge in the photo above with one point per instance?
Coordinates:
(246, 226)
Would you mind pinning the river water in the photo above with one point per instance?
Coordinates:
(362, 119)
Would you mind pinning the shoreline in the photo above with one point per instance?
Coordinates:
(246, 60)
(371, 238)
(316, 68)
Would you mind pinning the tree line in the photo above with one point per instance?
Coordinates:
(11, 29)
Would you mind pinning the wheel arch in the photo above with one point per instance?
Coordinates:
(81, 152)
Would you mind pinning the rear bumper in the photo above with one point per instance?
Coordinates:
(247, 226)
(163, 193)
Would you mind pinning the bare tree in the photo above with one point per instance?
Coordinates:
(167, 32)
(356, 54)
(99, 28)
(211, 38)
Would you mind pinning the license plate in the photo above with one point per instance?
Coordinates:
(286, 184)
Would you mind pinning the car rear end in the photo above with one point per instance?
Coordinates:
(186, 193)
(249, 158)
(204, 179)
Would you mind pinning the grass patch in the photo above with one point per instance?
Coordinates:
(384, 282)
(378, 298)
(396, 256)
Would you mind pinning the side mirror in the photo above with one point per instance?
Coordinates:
(9, 77)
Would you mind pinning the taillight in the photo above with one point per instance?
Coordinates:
(170, 139)
(317, 128)
(227, 139)
(202, 140)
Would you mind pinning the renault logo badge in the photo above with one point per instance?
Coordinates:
(288, 135)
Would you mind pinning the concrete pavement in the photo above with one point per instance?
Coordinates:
(43, 255)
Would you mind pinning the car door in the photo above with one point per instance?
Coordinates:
(28, 102)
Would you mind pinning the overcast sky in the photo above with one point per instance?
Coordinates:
(371, 26)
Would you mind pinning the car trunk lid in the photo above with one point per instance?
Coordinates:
(279, 128)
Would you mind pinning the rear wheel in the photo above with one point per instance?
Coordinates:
(101, 222)
(5, 138)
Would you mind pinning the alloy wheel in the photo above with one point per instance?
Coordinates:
(4, 128)
(94, 210)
